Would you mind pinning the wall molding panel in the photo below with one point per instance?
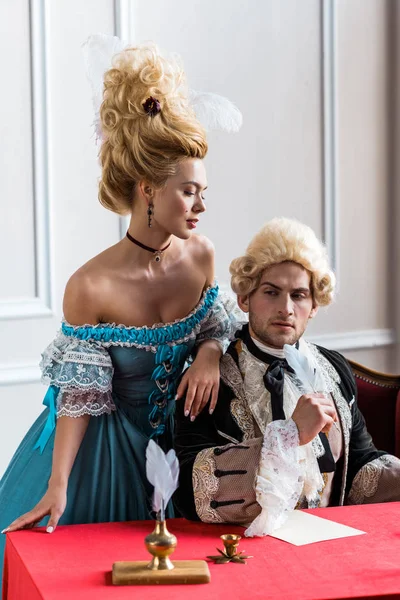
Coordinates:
(16, 374)
(350, 340)
(355, 340)
(346, 341)
(123, 28)
(41, 305)
(329, 125)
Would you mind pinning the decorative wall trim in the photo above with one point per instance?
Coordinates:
(355, 340)
(329, 124)
(123, 20)
(24, 308)
(349, 340)
(41, 304)
(16, 374)
(123, 28)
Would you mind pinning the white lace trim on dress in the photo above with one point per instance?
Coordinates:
(77, 403)
(83, 373)
(224, 319)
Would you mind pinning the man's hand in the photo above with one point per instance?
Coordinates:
(313, 413)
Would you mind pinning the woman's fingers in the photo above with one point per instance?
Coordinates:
(29, 519)
(190, 396)
(53, 521)
(182, 387)
(214, 398)
(198, 393)
(201, 397)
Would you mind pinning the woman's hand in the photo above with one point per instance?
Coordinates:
(201, 380)
(53, 503)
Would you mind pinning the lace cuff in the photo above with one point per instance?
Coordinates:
(82, 371)
(78, 403)
(223, 320)
(280, 477)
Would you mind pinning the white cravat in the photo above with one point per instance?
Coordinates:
(278, 352)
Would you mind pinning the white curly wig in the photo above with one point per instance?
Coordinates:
(282, 240)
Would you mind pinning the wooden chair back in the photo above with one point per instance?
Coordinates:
(379, 402)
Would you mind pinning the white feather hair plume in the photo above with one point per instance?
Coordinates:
(98, 52)
(213, 111)
(216, 112)
(162, 470)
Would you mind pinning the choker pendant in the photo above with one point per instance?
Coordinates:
(157, 254)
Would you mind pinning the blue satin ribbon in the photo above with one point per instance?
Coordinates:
(145, 335)
(50, 401)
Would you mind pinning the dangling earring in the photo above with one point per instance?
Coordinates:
(149, 214)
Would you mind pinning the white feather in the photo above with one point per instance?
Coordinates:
(162, 471)
(216, 112)
(306, 372)
(174, 466)
(98, 53)
(212, 110)
(309, 380)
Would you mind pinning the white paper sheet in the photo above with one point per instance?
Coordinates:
(303, 528)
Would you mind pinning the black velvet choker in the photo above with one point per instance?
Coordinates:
(157, 253)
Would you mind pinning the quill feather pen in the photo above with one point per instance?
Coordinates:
(308, 375)
(310, 380)
(162, 471)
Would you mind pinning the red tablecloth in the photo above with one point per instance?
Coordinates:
(75, 562)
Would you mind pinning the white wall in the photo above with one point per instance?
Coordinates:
(51, 221)
(267, 57)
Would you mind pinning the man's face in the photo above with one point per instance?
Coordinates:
(280, 307)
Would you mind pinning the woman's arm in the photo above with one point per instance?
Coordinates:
(79, 308)
(201, 380)
(68, 438)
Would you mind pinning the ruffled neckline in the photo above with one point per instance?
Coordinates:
(211, 290)
(149, 337)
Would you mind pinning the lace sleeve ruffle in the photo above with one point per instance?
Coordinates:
(82, 371)
(223, 320)
(280, 479)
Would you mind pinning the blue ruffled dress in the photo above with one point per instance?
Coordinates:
(125, 377)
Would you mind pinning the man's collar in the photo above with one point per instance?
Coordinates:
(276, 352)
(266, 357)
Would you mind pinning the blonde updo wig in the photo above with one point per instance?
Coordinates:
(283, 240)
(137, 146)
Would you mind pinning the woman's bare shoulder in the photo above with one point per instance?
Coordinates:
(202, 246)
(86, 289)
(203, 253)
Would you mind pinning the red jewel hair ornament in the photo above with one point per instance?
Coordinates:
(152, 106)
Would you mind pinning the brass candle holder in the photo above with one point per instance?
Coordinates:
(230, 553)
(160, 570)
